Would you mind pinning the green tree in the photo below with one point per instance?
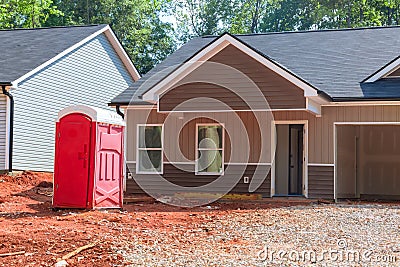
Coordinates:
(26, 13)
(137, 24)
(199, 18)
(290, 15)
(247, 15)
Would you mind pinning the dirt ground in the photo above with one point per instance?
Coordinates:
(154, 234)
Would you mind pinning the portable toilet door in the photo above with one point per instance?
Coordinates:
(88, 171)
(72, 161)
(109, 163)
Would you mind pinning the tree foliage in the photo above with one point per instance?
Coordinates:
(148, 38)
(26, 13)
(254, 16)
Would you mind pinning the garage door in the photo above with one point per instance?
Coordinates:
(368, 161)
(3, 110)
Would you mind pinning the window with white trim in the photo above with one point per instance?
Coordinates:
(210, 149)
(149, 149)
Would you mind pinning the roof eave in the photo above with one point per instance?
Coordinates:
(324, 95)
(361, 99)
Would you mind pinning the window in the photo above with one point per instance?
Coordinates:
(150, 149)
(210, 149)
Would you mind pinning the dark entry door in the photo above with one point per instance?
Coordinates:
(72, 176)
(295, 160)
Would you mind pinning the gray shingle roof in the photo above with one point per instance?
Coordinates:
(22, 50)
(333, 61)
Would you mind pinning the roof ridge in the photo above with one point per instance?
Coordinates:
(307, 31)
(54, 27)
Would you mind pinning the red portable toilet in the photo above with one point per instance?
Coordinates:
(88, 165)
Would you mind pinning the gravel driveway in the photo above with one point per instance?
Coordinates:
(267, 233)
(309, 235)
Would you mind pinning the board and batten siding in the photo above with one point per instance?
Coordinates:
(92, 74)
(242, 136)
(3, 129)
(320, 136)
(320, 129)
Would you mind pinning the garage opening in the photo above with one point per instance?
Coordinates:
(368, 162)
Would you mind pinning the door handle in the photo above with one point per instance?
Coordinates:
(83, 155)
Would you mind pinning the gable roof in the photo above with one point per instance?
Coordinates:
(25, 51)
(216, 47)
(333, 61)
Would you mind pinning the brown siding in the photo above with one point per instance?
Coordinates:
(320, 182)
(180, 134)
(320, 129)
(395, 73)
(187, 142)
(184, 176)
(320, 135)
(253, 81)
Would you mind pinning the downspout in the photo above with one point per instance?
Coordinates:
(11, 134)
(118, 110)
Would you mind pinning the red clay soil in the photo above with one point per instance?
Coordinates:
(28, 224)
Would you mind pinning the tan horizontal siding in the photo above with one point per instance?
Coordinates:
(320, 182)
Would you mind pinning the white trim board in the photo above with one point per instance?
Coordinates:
(7, 141)
(124, 175)
(234, 110)
(110, 36)
(226, 163)
(139, 107)
(212, 49)
(327, 104)
(368, 123)
(321, 164)
(362, 103)
(391, 67)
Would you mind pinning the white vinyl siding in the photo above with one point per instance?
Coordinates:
(90, 75)
(3, 129)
